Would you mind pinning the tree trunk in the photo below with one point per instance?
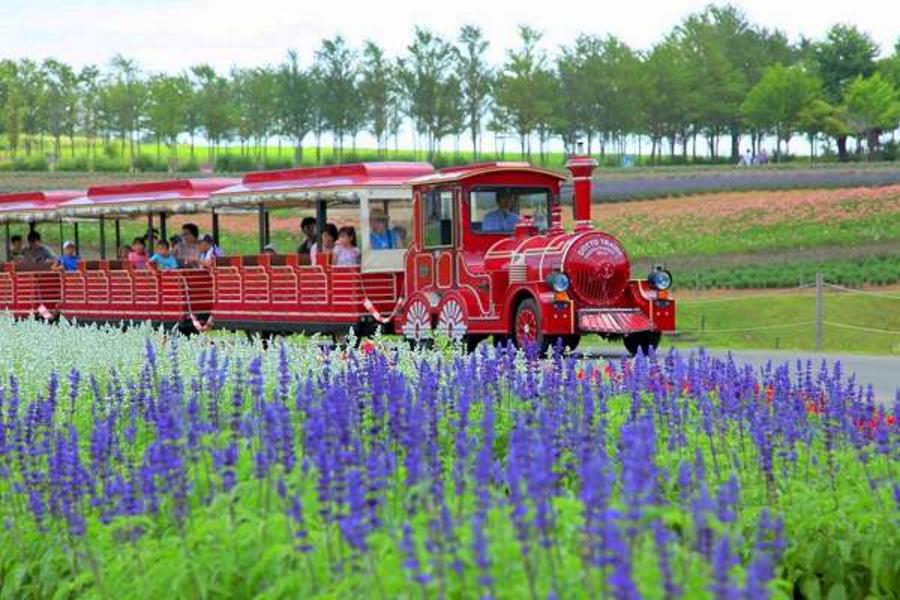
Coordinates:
(842, 148)
(735, 146)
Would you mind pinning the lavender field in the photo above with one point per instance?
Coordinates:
(136, 465)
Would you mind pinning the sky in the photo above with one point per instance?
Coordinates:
(169, 35)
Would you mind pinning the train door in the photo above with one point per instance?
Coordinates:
(435, 264)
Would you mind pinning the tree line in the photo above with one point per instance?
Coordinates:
(715, 77)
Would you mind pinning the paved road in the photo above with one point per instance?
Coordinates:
(882, 372)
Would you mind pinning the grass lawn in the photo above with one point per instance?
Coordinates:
(723, 321)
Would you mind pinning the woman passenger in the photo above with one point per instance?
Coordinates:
(326, 244)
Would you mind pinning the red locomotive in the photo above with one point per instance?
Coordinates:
(467, 252)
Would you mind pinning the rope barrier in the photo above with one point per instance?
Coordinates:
(859, 328)
(746, 296)
(862, 292)
(740, 330)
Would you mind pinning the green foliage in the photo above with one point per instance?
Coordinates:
(778, 102)
(872, 105)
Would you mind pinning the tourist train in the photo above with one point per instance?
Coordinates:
(475, 252)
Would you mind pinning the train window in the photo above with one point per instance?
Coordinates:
(498, 209)
(390, 224)
(438, 218)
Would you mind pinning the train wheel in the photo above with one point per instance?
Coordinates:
(571, 341)
(643, 341)
(527, 327)
(417, 322)
(452, 320)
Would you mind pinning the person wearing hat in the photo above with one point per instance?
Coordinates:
(270, 250)
(208, 251)
(380, 237)
(69, 260)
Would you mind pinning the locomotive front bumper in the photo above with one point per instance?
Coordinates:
(613, 321)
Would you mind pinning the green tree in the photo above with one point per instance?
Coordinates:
(518, 84)
(872, 106)
(475, 77)
(61, 99)
(378, 90)
(776, 104)
(428, 82)
(216, 112)
(336, 64)
(125, 96)
(295, 100)
(665, 105)
(255, 93)
(845, 54)
(90, 108)
(169, 99)
(11, 104)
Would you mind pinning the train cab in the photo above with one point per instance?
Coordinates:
(491, 257)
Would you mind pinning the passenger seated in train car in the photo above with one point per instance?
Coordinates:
(326, 244)
(380, 237)
(122, 252)
(346, 254)
(308, 229)
(69, 260)
(162, 258)
(137, 257)
(16, 248)
(502, 219)
(270, 250)
(188, 253)
(37, 254)
(174, 243)
(400, 236)
(209, 252)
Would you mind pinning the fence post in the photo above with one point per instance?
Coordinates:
(820, 309)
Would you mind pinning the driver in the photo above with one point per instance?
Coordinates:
(502, 219)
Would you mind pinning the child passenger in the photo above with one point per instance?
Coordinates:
(162, 259)
(69, 260)
(138, 255)
(346, 254)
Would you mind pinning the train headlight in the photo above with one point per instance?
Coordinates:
(559, 282)
(660, 279)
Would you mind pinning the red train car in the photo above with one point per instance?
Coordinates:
(467, 252)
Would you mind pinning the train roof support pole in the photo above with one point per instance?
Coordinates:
(149, 229)
(363, 222)
(215, 226)
(8, 242)
(162, 226)
(268, 229)
(77, 244)
(321, 216)
(102, 238)
(62, 235)
(118, 236)
(261, 220)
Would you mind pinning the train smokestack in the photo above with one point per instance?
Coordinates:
(581, 167)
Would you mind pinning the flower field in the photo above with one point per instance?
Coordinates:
(711, 224)
(135, 465)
